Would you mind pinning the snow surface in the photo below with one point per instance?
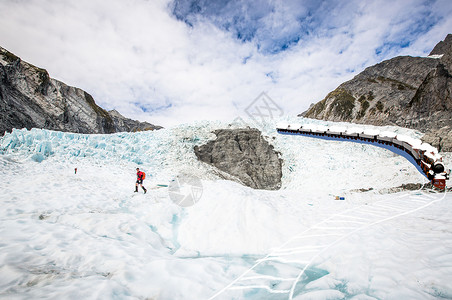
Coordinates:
(88, 236)
(436, 56)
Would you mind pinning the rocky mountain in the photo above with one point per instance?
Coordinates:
(30, 98)
(244, 154)
(413, 92)
(122, 123)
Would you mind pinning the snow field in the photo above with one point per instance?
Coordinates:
(87, 235)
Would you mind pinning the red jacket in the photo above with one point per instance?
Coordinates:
(140, 175)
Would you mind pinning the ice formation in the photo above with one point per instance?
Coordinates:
(88, 236)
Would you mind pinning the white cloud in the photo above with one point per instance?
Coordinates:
(134, 56)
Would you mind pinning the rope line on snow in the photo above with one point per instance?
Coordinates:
(292, 290)
(315, 251)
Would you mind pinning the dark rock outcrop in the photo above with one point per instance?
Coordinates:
(244, 154)
(379, 95)
(124, 124)
(30, 98)
(413, 92)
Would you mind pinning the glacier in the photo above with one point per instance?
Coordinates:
(87, 235)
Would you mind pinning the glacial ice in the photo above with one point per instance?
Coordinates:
(87, 235)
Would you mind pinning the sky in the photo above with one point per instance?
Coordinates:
(170, 62)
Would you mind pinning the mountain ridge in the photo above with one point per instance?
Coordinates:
(412, 92)
(29, 98)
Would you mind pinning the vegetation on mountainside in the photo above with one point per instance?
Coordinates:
(342, 104)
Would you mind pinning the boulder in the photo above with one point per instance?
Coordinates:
(244, 154)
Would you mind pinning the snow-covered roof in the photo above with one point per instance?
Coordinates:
(407, 139)
(428, 148)
(309, 126)
(388, 134)
(321, 128)
(294, 126)
(282, 125)
(371, 131)
(337, 129)
(355, 130)
(436, 56)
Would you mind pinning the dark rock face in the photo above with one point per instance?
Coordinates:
(440, 138)
(124, 124)
(379, 95)
(30, 98)
(411, 92)
(245, 154)
(444, 48)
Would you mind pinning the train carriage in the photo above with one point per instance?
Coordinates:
(308, 128)
(336, 131)
(386, 137)
(369, 134)
(354, 132)
(320, 129)
(422, 155)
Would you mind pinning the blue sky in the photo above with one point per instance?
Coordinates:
(171, 62)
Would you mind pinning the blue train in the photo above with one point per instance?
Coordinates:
(422, 155)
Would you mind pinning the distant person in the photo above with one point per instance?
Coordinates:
(140, 177)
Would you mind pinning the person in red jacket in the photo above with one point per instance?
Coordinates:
(140, 178)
